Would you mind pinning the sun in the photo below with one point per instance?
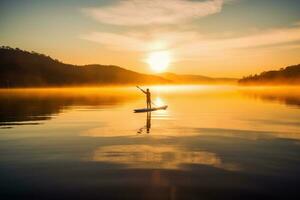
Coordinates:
(159, 61)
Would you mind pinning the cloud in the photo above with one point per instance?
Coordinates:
(116, 41)
(188, 44)
(142, 41)
(263, 40)
(143, 12)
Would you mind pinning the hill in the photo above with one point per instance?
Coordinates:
(195, 79)
(20, 68)
(285, 76)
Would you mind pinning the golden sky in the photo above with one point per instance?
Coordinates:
(217, 38)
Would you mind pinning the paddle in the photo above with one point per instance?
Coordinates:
(140, 89)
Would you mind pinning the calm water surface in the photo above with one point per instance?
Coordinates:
(213, 142)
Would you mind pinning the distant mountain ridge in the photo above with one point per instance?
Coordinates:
(19, 68)
(285, 76)
(196, 79)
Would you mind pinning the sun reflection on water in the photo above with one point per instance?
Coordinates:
(160, 114)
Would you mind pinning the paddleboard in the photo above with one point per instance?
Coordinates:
(150, 109)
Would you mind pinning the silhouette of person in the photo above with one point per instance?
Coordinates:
(148, 94)
(148, 97)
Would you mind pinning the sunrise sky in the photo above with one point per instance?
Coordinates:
(229, 38)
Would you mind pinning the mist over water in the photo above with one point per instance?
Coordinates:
(212, 142)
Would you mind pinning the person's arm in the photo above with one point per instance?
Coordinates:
(142, 90)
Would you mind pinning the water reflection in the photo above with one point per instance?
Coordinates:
(158, 156)
(31, 106)
(24, 107)
(211, 143)
(285, 95)
(147, 127)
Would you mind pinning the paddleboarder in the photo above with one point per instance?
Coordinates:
(148, 96)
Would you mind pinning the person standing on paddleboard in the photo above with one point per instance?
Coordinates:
(148, 96)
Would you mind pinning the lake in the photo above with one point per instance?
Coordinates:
(213, 142)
